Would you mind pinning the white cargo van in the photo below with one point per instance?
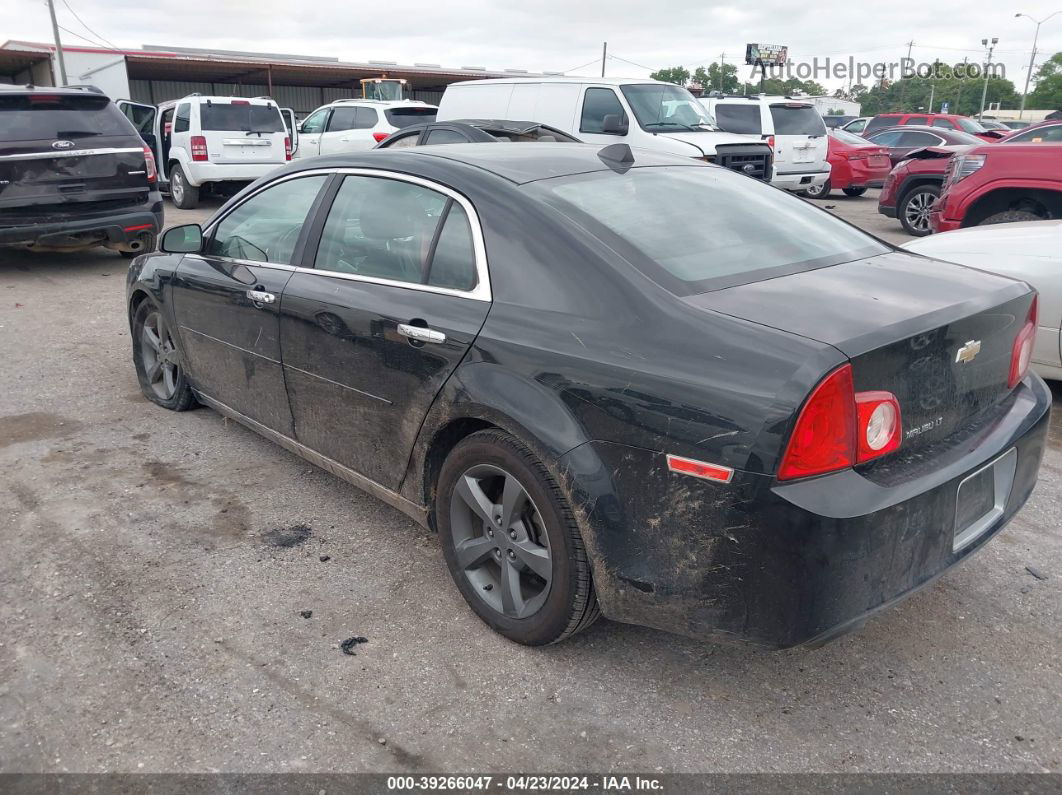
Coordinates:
(202, 141)
(794, 130)
(643, 113)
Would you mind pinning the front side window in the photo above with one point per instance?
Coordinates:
(890, 138)
(693, 230)
(856, 126)
(315, 122)
(599, 103)
(663, 106)
(266, 227)
(738, 118)
(919, 139)
(381, 228)
(182, 119)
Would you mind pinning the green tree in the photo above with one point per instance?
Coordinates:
(777, 86)
(715, 79)
(1048, 93)
(927, 94)
(676, 74)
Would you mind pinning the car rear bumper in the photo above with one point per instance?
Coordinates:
(114, 229)
(782, 565)
(798, 181)
(201, 173)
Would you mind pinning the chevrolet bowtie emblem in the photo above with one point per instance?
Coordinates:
(968, 351)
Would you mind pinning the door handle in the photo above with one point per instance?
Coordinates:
(261, 296)
(420, 334)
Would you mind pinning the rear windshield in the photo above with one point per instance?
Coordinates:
(797, 120)
(50, 116)
(737, 118)
(246, 118)
(403, 117)
(964, 138)
(696, 229)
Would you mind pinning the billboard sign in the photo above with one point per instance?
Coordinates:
(766, 54)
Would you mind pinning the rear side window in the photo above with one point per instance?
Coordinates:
(403, 117)
(597, 104)
(880, 122)
(342, 119)
(53, 116)
(919, 120)
(182, 118)
(693, 230)
(453, 264)
(797, 120)
(744, 119)
(365, 118)
(943, 123)
(445, 137)
(238, 116)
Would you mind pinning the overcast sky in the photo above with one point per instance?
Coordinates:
(557, 36)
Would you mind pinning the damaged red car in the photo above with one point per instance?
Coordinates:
(613, 381)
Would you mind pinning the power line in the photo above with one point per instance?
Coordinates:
(86, 27)
(632, 63)
(588, 63)
(85, 38)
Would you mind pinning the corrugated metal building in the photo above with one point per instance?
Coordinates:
(154, 74)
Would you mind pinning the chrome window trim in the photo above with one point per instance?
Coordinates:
(482, 290)
(73, 153)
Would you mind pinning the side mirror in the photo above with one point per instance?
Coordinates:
(614, 124)
(187, 239)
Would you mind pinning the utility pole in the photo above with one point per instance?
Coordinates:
(903, 86)
(932, 94)
(58, 43)
(1032, 60)
(604, 57)
(988, 68)
(722, 55)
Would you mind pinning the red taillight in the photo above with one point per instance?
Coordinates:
(199, 148)
(287, 148)
(1021, 353)
(838, 428)
(770, 142)
(149, 165)
(379, 136)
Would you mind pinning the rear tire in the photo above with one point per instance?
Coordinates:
(184, 196)
(498, 561)
(913, 210)
(1012, 217)
(157, 360)
(821, 192)
(853, 192)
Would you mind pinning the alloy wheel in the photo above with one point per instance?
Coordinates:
(177, 187)
(500, 542)
(917, 210)
(159, 356)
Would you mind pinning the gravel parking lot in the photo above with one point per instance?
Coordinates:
(160, 569)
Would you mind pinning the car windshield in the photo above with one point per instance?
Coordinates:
(662, 106)
(696, 229)
(29, 117)
(239, 116)
(970, 126)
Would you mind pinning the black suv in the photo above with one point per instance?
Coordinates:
(74, 173)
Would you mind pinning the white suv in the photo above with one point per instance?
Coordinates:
(352, 125)
(794, 130)
(203, 141)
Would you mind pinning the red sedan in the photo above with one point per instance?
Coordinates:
(855, 165)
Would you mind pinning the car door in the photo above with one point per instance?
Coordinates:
(310, 133)
(143, 118)
(227, 299)
(390, 300)
(340, 123)
(292, 128)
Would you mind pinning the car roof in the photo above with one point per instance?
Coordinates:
(68, 91)
(942, 131)
(521, 164)
(600, 81)
(386, 103)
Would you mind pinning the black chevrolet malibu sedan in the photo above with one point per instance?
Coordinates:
(612, 382)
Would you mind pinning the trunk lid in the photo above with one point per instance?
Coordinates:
(800, 140)
(938, 336)
(65, 154)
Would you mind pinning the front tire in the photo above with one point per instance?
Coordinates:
(184, 196)
(1012, 217)
(913, 210)
(511, 541)
(157, 360)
